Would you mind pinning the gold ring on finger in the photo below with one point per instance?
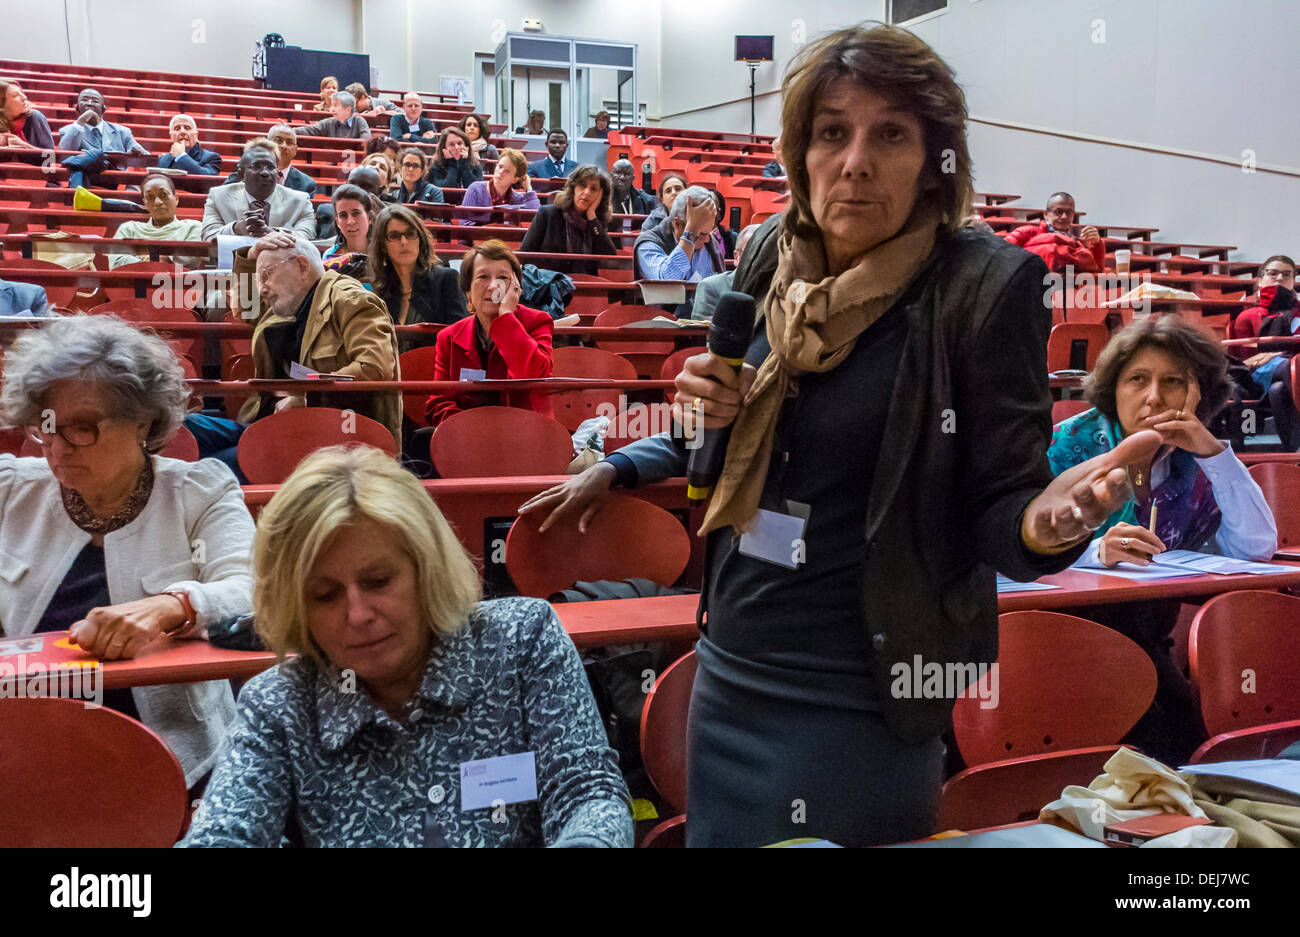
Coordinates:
(695, 404)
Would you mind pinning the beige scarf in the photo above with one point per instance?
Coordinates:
(813, 322)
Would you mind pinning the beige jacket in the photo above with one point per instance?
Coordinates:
(348, 332)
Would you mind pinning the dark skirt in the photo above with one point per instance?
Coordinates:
(775, 754)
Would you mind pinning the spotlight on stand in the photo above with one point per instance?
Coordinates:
(753, 51)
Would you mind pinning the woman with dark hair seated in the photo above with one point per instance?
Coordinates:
(670, 186)
(354, 213)
(577, 222)
(1162, 374)
(415, 188)
(456, 166)
(408, 276)
(476, 128)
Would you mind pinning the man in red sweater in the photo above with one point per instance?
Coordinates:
(498, 339)
(1054, 241)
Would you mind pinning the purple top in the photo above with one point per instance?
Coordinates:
(478, 196)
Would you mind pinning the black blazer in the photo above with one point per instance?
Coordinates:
(424, 192)
(458, 174)
(435, 297)
(397, 129)
(642, 203)
(945, 508)
(549, 234)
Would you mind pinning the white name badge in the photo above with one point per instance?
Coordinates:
(300, 372)
(775, 538)
(509, 779)
(470, 374)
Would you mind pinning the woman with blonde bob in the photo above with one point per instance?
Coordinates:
(888, 452)
(401, 677)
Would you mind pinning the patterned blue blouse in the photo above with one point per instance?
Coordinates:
(345, 773)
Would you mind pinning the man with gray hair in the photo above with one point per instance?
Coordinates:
(711, 288)
(681, 246)
(186, 154)
(314, 320)
(343, 121)
(627, 198)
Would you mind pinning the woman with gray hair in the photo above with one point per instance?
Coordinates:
(105, 539)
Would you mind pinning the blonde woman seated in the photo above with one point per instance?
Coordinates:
(404, 682)
(158, 193)
(101, 537)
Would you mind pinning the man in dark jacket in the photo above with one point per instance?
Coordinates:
(628, 199)
(410, 125)
(556, 166)
(186, 154)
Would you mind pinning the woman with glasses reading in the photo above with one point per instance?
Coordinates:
(408, 276)
(104, 538)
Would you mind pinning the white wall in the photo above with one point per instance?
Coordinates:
(200, 37)
(1206, 76)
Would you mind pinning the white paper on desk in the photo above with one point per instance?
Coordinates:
(1011, 585)
(300, 372)
(227, 244)
(663, 292)
(1142, 573)
(1212, 563)
(1281, 773)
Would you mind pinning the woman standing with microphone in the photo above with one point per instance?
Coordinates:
(887, 453)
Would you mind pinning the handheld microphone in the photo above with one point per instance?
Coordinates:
(729, 335)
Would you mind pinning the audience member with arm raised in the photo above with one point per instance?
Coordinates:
(576, 222)
(803, 644)
(499, 337)
(186, 154)
(456, 166)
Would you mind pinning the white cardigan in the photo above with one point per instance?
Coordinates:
(195, 535)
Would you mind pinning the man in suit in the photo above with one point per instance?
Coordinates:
(344, 122)
(410, 125)
(775, 169)
(627, 198)
(257, 204)
(91, 132)
(94, 137)
(283, 137)
(556, 166)
(709, 290)
(186, 154)
(20, 299)
(284, 143)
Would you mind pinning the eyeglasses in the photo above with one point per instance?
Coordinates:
(77, 435)
(393, 235)
(412, 165)
(259, 276)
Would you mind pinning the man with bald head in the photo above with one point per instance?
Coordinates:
(186, 154)
(411, 126)
(257, 203)
(94, 137)
(90, 131)
(627, 198)
(322, 321)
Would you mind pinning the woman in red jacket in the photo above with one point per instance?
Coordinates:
(498, 339)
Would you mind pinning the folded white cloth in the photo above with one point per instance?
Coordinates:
(1133, 786)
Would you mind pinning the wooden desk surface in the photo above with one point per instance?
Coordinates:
(622, 621)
